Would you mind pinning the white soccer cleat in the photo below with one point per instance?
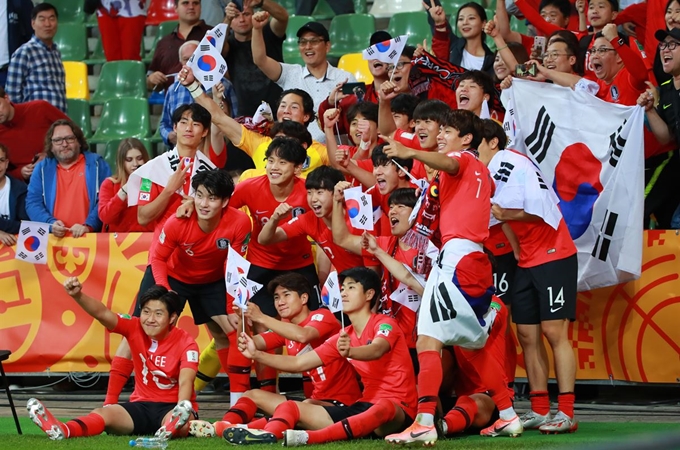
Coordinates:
(415, 434)
(42, 417)
(201, 428)
(295, 438)
(512, 428)
(561, 423)
(180, 415)
(531, 420)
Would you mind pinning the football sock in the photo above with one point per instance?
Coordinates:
(510, 358)
(267, 376)
(258, 424)
(237, 367)
(90, 425)
(285, 417)
(461, 415)
(121, 368)
(429, 382)
(356, 426)
(565, 403)
(242, 411)
(208, 367)
(540, 402)
(220, 426)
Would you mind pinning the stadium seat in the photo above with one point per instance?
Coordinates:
(70, 11)
(4, 356)
(387, 8)
(79, 112)
(120, 79)
(71, 40)
(414, 24)
(122, 118)
(355, 64)
(323, 11)
(77, 85)
(163, 30)
(518, 25)
(360, 7)
(350, 33)
(161, 11)
(291, 52)
(289, 5)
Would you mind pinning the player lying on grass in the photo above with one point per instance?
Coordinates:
(299, 330)
(375, 346)
(165, 362)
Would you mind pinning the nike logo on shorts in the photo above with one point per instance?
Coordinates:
(555, 310)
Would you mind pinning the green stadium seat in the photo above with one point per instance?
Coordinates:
(71, 40)
(414, 24)
(122, 118)
(518, 25)
(120, 79)
(350, 33)
(70, 11)
(323, 11)
(289, 5)
(97, 56)
(163, 30)
(79, 112)
(360, 7)
(291, 52)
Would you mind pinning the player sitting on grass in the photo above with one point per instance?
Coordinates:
(299, 330)
(165, 361)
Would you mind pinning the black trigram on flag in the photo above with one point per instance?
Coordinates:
(330, 282)
(370, 50)
(26, 230)
(616, 144)
(223, 68)
(174, 162)
(504, 172)
(22, 255)
(205, 47)
(39, 256)
(442, 310)
(243, 281)
(42, 231)
(539, 140)
(218, 33)
(412, 298)
(392, 54)
(207, 77)
(202, 166)
(255, 289)
(541, 183)
(364, 201)
(336, 301)
(604, 239)
(363, 220)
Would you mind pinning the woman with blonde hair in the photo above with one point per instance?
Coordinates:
(113, 203)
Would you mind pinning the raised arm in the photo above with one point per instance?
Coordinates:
(271, 233)
(434, 160)
(93, 307)
(341, 234)
(268, 66)
(394, 267)
(657, 125)
(502, 20)
(279, 16)
(287, 330)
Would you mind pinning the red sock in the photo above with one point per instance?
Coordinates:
(237, 367)
(90, 425)
(258, 424)
(461, 415)
(242, 412)
(120, 371)
(510, 357)
(565, 403)
(285, 417)
(267, 377)
(429, 381)
(540, 402)
(356, 426)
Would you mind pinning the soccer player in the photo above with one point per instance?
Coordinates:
(455, 306)
(165, 359)
(544, 291)
(299, 330)
(375, 346)
(315, 223)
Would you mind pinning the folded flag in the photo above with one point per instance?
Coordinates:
(330, 293)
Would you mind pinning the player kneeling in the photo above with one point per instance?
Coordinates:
(165, 362)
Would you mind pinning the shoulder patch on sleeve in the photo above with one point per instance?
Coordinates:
(317, 317)
(384, 329)
(192, 356)
(145, 186)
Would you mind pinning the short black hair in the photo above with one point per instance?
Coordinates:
(482, 79)
(323, 177)
(379, 158)
(367, 278)
(615, 5)
(217, 182)
(403, 196)
(307, 102)
(40, 7)
(170, 299)
(492, 129)
(292, 129)
(563, 5)
(198, 114)
(408, 51)
(293, 282)
(404, 104)
(288, 149)
(466, 122)
(368, 110)
(431, 110)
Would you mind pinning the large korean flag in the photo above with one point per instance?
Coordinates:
(591, 152)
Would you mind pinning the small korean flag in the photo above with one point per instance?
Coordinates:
(330, 293)
(359, 208)
(32, 242)
(386, 51)
(406, 296)
(207, 63)
(217, 35)
(237, 268)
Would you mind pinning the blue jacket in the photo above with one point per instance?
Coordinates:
(42, 189)
(17, 206)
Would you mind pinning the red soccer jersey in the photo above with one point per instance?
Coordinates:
(256, 194)
(391, 376)
(158, 363)
(310, 225)
(408, 139)
(497, 243)
(621, 90)
(465, 200)
(190, 255)
(334, 381)
(539, 243)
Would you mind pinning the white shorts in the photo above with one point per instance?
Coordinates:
(455, 308)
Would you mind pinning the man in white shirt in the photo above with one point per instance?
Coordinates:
(318, 77)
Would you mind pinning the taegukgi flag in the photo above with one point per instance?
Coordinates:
(330, 293)
(32, 242)
(386, 51)
(217, 35)
(207, 64)
(359, 208)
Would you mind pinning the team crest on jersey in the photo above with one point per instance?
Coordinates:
(161, 237)
(222, 243)
(145, 196)
(307, 162)
(246, 241)
(384, 329)
(614, 90)
(297, 211)
(318, 317)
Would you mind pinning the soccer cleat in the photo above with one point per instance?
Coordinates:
(416, 433)
(561, 423)
(180, 415)
(246, 436)
(532, 420)
(512, 428)
(295, 438)
(42, 417)
(201, 428)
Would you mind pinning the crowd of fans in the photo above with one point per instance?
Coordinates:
(422, 327)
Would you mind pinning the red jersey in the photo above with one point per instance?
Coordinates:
(115, 213)
(256, 194)
(408, 139)
(465, 200)
(621, 90)
(190, 255)
(158, 363)
(334, 381)
(391, 376)
(309, 225)
(539, 243)
(497, 243)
